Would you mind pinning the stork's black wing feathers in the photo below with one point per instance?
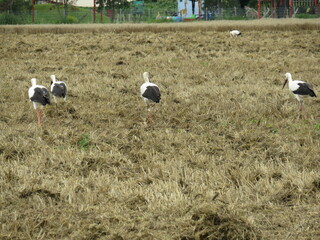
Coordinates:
(152, 93)
(41, 95)
(305, 89)
(59, 90)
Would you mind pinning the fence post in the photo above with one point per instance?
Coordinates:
(235, 11)
(94, 11)
(200, 10)
(259, 9)
(32, 11)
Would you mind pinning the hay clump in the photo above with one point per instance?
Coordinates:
(211, 224)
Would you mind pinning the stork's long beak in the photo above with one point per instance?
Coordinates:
(285, 82)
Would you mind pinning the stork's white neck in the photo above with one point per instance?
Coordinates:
(53, 78)
(146, 77)
(33, 81)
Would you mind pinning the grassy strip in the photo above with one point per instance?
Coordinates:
(220, 26)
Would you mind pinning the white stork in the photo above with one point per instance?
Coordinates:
(299, 89)
(58, 89)
(39, 95)
(235, 33)
(150, 93)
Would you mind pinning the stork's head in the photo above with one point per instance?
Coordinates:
(146, 76)
(33, 81)
(288, 76)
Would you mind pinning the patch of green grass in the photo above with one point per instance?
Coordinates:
(52, 13)
(84, 142)
(306, 15)
(162, 20)
(12, 19)
(235, 18)
(68, 20)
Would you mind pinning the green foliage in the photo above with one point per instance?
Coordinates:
(306, 15)
(68, 20)
(14, 12)
(116, 4)
(229, 14)
(7, 18)
(52, 13)
(249, 3)
(46, 7)
(165, 4)
(101, 4)
(230, 17)
(84, 142)
(167, 7)
(162, 20)
(15, 6)
(210, 4)
(213, 4)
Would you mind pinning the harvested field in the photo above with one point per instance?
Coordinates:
(226, 157)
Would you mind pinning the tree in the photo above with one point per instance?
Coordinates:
(116, 4)
(15, 6)
(250, 3)
(211, 5)
(193, 5)
(66, 4)
(101, 4)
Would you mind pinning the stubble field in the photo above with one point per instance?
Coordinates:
(226, 157)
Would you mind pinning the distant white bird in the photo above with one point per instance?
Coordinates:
(150, 93)
(39, 95)
(235, 33)
(299, 89)
(58, 88)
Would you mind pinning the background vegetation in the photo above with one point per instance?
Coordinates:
(122, 11)
(226, 158)
(57, 13)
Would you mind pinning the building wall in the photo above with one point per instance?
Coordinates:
(84, 3)
(185, 8)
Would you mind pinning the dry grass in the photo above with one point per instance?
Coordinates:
(226, 157)
(220, 26)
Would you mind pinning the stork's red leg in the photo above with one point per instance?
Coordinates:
(149, 119)
(38, 117)
(302, 112)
